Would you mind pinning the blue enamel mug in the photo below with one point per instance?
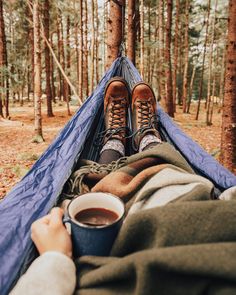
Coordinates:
(88, 239)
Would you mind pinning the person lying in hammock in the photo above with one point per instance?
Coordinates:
(176, 238)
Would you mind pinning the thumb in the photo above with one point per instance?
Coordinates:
(56, 217)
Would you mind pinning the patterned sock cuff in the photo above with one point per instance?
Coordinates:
(114, 144)
(148, 139)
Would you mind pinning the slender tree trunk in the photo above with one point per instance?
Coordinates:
(142, 38)
(105, 33)
(161, 75)
(208, 100)
(203, 61)
(169, 94)
(3, 60)
(31, 42)
(85, 67)
(149, 46)
(60, 87)
(115, 30)
(92, 46)
(228, 135)
(37, 75)
(131, 30)
(81, 50)
(68, 53)
(176, 51)
(191, 88)
(222, 80)
(65, 86)
(186, 53)
(97, 53)
(47, 58)
(52, 72)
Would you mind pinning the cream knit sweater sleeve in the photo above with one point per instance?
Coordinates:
(51, 273)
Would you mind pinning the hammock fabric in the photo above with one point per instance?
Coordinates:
(39, 190)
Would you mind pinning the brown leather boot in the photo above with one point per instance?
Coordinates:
(116, 102)
(143, 113)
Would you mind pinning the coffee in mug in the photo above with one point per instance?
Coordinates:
(95, 220)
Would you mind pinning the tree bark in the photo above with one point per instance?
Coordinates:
(37, 76)
(186, 53)
(47, 58)
(97, 42)
(161, 71)
(115, 30)
(169, 94)
(65, 86)
(228, 136)
(81, 50)
(203, 61)
(142, 38)
(85, 66)
(176, 51)
(92, 46)
(52, 72)
(211, 64)
(131, 30)
(3, 60)
(68, 53)
(59, 78)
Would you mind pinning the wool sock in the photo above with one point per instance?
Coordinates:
(114, 144)
(148, 141)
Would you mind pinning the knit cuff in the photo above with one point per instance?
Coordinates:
(148, 139)
(116, 145)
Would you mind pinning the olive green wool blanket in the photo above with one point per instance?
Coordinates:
(175, 240)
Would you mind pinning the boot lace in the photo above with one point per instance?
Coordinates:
(147, 120)
(116, 122)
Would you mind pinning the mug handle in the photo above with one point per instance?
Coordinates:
(67, 222)
(66, 219)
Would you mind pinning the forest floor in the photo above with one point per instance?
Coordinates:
(18, 153)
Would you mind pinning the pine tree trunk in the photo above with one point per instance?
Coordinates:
(203, 61)
(161, 72)
(211, 65)
(222, 79)
(186, 53)
(131, 30)
(228, 136)
(142, 38)
(92, 46)
(176, 51)
(52, 72)
(31, 43)
(3, 60)
(169, 94)
(115, 30)
(191, 88)
(68, 53)
(85, 67)
(59, 76)
(97, 53)
(37, 75)
(65, 86)
(149, 46)
(81, 50)
(47, 58)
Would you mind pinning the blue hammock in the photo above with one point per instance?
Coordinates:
(38, 191)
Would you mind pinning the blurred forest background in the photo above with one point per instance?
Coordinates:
(54, 53)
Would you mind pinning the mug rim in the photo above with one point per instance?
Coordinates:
(96, 226)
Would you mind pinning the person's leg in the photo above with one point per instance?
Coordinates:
(144, 120)
(116, 102)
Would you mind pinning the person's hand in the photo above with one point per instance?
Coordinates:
(49, 234)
